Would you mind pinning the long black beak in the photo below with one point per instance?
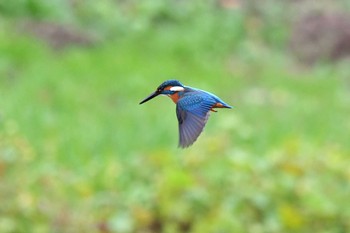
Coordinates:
(151, 96)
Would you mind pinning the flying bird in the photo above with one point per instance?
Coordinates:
(193, 107)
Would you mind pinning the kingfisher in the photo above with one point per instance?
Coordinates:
(193, 107)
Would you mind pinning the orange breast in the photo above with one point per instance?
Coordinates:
(175, 97)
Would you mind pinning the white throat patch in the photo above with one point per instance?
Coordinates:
(177, 88)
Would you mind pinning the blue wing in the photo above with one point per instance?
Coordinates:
(192, 113)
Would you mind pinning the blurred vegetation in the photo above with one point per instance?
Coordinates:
(78, 154)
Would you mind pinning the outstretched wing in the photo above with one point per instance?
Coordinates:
(192, 113)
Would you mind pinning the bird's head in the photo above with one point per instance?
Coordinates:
(168, 87)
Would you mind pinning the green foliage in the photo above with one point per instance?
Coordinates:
(78, 154)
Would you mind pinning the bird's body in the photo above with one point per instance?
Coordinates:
(193, 107)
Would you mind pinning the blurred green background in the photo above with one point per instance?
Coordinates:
(79, 154)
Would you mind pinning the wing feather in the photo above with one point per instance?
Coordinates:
(192, 112)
